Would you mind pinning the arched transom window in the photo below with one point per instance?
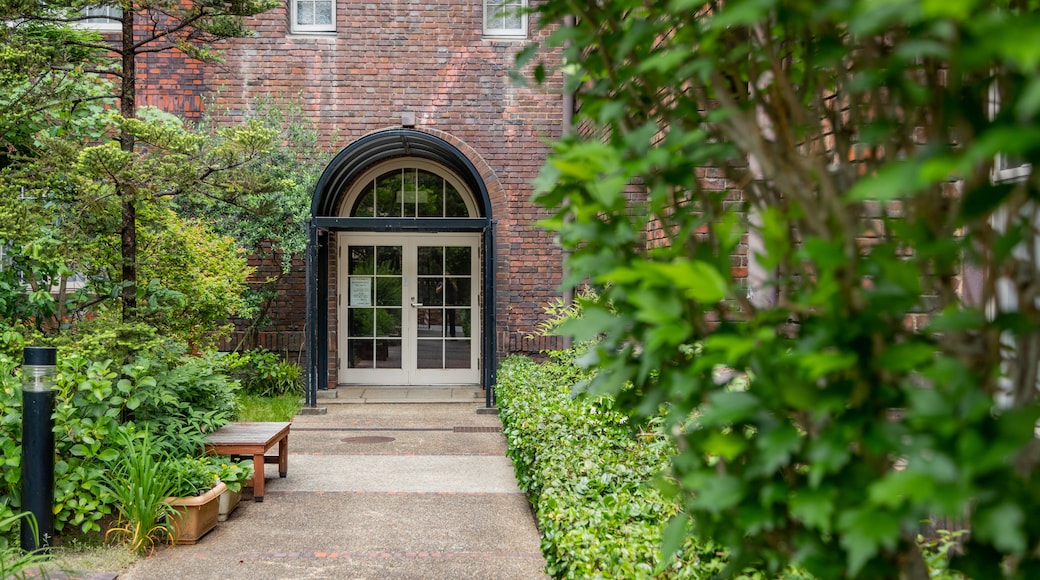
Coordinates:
(409, 189)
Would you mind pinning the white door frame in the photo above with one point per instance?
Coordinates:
(408, 374)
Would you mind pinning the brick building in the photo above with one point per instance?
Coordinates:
(426, 261)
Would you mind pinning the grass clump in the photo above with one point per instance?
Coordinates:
(140, 483)
(257, 408)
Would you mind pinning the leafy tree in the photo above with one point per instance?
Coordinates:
(856, 141)
(267, 225)
(146, 26)
(44, 70)
(68, 197)
(257, 193)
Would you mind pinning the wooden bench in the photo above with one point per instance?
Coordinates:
(253, 439)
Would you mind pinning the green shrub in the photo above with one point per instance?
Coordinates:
(265, 374)
(599, 487)
(177, 397)
(591, 479)
(87, 404)
(184, 400)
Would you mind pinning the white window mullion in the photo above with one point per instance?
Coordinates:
(313, 15)
(505, 18)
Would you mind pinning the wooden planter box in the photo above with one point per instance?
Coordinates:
(195, 515)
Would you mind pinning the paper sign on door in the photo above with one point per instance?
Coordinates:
(361, 292)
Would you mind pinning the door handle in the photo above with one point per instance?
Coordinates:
(416, 304)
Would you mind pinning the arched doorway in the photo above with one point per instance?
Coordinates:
(410, 299)
(408, 216)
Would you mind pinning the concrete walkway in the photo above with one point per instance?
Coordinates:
(376, 490)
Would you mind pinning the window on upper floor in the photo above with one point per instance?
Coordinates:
(313, 15)
(103, 17)
(1006, 168)
(1010, 294)
(505, 18)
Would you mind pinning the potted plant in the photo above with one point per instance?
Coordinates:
(234, 475)
(195, 498)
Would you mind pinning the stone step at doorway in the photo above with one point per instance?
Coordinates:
(401, 394)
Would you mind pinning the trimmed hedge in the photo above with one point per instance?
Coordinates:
(594, 482)
(590, 479)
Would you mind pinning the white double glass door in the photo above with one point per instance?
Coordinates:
(408, 309)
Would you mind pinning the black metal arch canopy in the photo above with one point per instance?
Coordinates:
(344, 168)
(382, 145)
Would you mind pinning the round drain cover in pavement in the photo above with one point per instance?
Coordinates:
(368, 439)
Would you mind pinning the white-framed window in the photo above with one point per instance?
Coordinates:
(1006, 168)
(505, 18)
(1008, 298)
(313, 15)
(104, 17)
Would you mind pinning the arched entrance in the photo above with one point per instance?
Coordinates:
(403, 218)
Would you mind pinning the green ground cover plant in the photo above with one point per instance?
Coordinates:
(99, 405)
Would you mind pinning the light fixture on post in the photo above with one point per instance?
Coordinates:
(39, 366)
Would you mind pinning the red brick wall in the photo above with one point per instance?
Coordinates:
(429, 58)
(171, 81)
(167, 78)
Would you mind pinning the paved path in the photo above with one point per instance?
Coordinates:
(377, 491)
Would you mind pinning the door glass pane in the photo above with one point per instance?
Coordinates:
(362, 260)
(456, 322)
(388, 354)
(388, 291)
(361, 322)
(388, 322)
(360, 353)
(429, 354)
(457, 354)
(457, 292)
(431, 261)
(368, 354)
(430, 322)
(458, 261)
(430, 293)
(388, 260)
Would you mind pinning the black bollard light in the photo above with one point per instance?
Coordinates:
(39, 365)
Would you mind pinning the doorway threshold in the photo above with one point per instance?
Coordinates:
(401, 394)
